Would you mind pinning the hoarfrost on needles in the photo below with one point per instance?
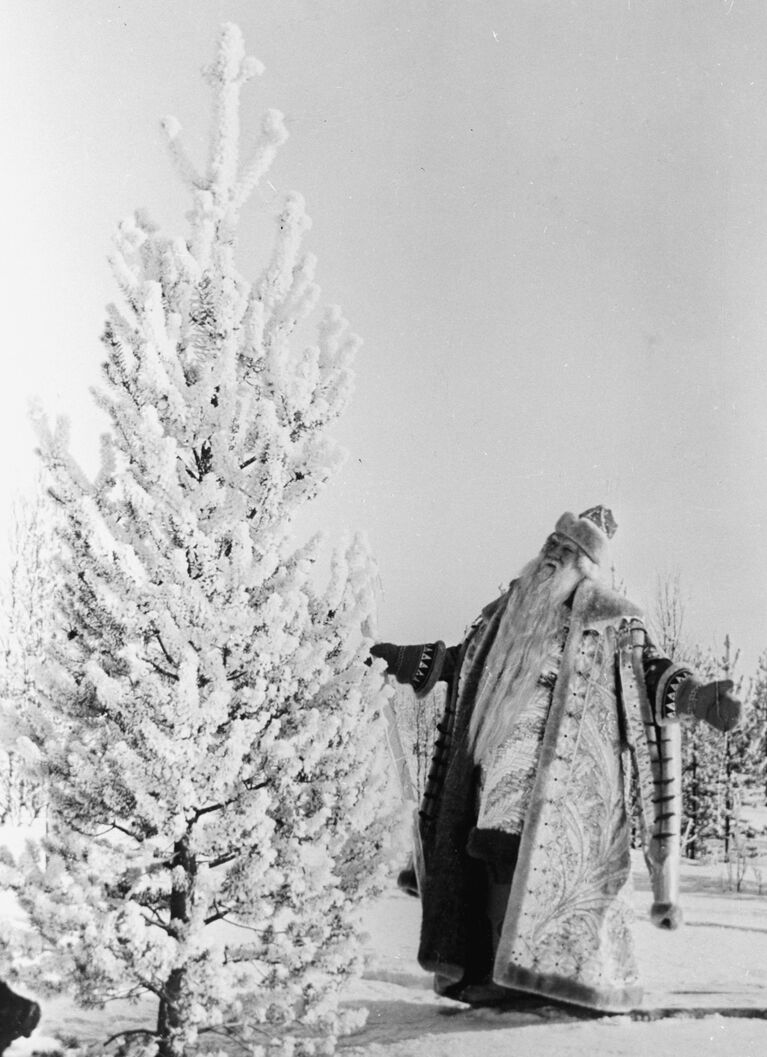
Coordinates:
(210, 730)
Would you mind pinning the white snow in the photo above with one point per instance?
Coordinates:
(717, 961)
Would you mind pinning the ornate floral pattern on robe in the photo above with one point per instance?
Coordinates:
(567, 931)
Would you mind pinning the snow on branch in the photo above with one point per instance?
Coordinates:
(206, 695)
(273, 135)
(226, 75)
(184, 165)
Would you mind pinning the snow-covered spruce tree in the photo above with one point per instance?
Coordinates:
(218, 802)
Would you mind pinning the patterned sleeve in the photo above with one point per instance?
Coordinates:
(656, 749)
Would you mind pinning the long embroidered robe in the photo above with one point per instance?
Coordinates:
(567, 928)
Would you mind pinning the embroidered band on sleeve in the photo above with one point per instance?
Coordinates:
(664, 705)
(424, 664)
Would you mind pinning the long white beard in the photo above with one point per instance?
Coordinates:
(529, 626)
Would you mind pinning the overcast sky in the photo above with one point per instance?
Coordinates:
(547, 220)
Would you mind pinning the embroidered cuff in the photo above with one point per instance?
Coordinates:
(416, 666)
(428, 668)
(664, 705)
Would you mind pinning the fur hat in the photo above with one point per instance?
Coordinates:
(590, 531)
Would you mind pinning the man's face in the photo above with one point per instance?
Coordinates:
(559, 552)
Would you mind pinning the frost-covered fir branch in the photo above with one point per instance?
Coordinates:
(211, 733)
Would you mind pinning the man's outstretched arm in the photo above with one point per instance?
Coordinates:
(420, 667)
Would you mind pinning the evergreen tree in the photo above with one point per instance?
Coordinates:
(733, 769)
(701, 746)
(755, 728)
(211, 732)
(716, 771)
(700, 763)
(417, 722)
(26, 605)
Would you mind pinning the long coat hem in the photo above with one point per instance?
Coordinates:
(565, 989)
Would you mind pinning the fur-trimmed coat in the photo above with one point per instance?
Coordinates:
(567, 929)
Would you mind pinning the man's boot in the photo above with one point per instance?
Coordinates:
(18, 1016)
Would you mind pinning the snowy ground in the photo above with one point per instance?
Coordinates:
(716, 963)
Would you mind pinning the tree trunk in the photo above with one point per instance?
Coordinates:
(170, 1017)
(729, 800)
(694, 802)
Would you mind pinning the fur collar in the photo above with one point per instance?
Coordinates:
(593, 604)
(596, 605)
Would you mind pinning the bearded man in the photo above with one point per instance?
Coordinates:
(560, 725)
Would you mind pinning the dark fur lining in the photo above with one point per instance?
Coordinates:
(493, 845)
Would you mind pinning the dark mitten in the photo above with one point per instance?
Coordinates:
(388, 652)
(416, 666)
(714, 703)
(666, 915)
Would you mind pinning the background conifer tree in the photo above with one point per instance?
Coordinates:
(733, 776)
(701, 746)
(25, 605)
(211, 733)
(755, 727)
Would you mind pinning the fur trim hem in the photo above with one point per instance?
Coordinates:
(563, 989)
